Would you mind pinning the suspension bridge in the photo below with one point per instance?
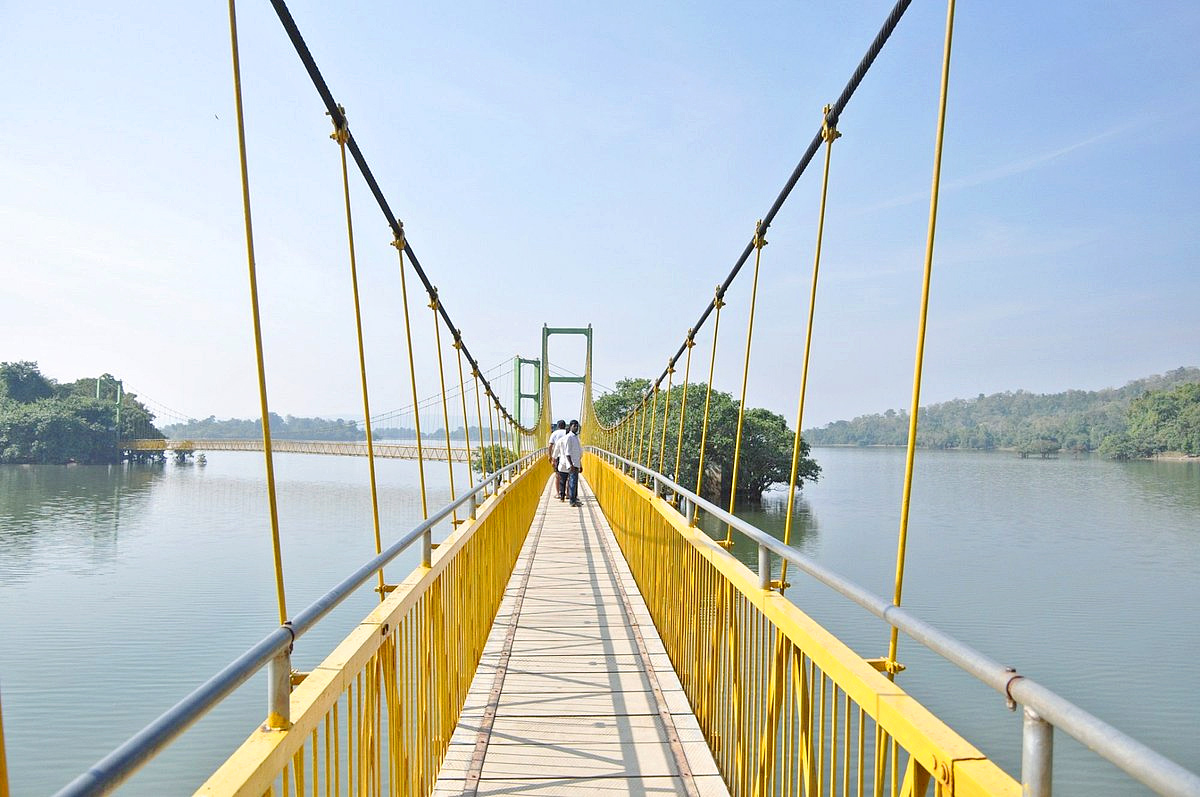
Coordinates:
(337, 448)
(617, 648)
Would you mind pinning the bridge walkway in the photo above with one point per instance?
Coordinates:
(574, 693)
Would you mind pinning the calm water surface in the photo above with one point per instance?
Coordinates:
(1081, 573)
(122, 588)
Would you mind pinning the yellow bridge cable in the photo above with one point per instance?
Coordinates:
(718, 302)
(341, 135)
(479, 417)
(662, 443)
(830, 134)
(258, 348)
(492, 437)
(759, 243)
(437, 332)
(689, 344)
(462, 391)
(641, 433)
(412, 371)
(916, 392)
(653, 420)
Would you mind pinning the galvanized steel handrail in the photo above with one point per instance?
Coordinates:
(1144, 764)
(118, 766)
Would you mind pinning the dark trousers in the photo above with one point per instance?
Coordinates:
(562, 482)
(573, 481)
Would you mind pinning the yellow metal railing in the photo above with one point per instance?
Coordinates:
(785, 706)
(376, 716)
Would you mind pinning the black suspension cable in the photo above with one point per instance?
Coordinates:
(831, 119)
(339, 122)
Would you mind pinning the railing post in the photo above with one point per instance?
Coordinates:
(279, 692)
(1037, 755)
(764, 567)
(427, 548)
(472, 505)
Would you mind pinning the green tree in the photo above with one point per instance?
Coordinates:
(44, 422)
(23, 382)
(1159, 421)
(612, 407)
(491, 458)
(766, 450)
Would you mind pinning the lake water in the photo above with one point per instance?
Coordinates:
(121, 588)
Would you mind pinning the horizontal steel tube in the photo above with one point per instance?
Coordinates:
(1141, 762)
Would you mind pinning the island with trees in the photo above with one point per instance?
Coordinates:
(46, 422)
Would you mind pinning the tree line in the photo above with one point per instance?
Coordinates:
(45, 422)
(1145, 417)
(766, 450)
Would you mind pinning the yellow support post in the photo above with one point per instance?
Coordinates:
(689, 344)
(759, 243)
(662, 443)
(491, 466)
(437, 333)
(650, 438)
(412, 370)
(257, 324)
(462, 390)
(920, 356)
(341, 135)
(829, 134)
(717, 304)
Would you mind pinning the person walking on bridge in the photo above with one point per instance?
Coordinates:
(570, 460)
(551, 451)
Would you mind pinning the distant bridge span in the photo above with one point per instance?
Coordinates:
(341, 448)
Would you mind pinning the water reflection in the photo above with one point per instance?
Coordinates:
(769, 516)
(1168, 482)
(47, 508)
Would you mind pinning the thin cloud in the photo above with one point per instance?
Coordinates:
(1005, 171)
(1029, 164)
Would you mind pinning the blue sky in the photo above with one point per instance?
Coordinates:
(580, 163)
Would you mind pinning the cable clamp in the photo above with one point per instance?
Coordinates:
(341, 132)
(691, 338)
(759, 235)
(433, 298)
(718, 299)
(398, 240)
(829, 132)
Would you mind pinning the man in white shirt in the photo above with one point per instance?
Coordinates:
(570, 460)
(560, 478)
